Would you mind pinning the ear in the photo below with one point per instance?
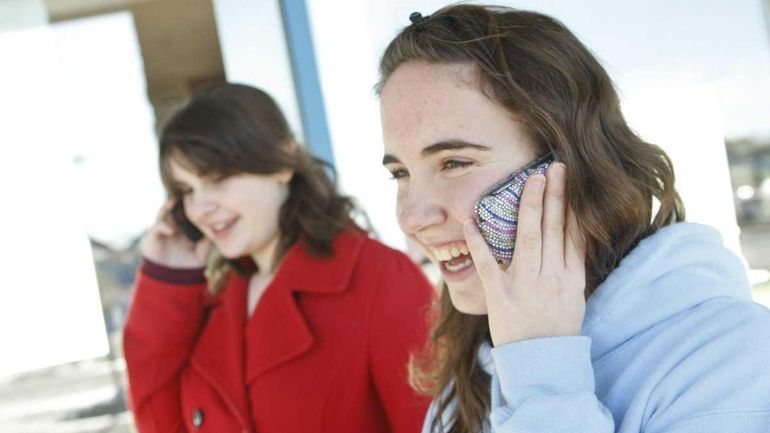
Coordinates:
(293, 146)
(284, 176)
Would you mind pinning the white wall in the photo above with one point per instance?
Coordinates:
(689, 73)
(347, 64)
(77, 158)
(254, 51)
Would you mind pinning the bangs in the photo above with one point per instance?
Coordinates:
(198, 157)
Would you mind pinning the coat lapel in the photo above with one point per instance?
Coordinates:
(219, 354)
(277, 331)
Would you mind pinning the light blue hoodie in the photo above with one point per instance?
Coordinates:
(671, 344)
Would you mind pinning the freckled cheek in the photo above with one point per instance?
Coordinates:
(462, 200)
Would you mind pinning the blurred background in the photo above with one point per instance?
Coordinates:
(86, 84)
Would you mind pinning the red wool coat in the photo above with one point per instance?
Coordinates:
(325, 350)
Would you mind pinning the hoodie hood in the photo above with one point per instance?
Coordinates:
(670, 271)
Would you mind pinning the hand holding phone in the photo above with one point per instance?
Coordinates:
(174, 241)
(179, 217)
(497, 211)
(542, 291)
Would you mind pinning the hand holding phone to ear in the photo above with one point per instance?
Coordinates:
(166, 244)
(541, 293)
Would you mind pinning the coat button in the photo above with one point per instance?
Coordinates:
(197, 418)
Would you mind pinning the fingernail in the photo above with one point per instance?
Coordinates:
(558, 170)
(538, 180)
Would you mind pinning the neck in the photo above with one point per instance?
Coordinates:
(265, 257)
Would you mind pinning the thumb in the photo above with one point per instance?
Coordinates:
(486, 265)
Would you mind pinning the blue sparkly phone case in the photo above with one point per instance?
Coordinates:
(497, 211)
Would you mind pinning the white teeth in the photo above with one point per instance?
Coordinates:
(444, 254)
(460, 266)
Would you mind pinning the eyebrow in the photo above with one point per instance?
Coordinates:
(439, 147)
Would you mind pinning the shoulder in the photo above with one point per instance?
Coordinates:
(719, 359)
(728, 318)
(391, 275)
(718, 330)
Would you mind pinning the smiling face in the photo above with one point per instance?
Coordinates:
(239, 213)
(445, 144)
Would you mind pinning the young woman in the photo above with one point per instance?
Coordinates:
(300, 323)
(614, 315)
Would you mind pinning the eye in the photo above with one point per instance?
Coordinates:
(451, 164)
(399, 173)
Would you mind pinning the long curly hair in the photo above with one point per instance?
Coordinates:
(533, 66)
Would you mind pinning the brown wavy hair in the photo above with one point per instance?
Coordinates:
(231, 129)
(533, 66)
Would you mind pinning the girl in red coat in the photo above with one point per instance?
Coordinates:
(279, 315)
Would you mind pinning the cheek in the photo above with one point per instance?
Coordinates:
(462, 201)
(262, 200)
(400, 203)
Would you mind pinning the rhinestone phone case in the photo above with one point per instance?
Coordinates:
(497, 211)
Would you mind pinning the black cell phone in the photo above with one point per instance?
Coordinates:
(185, 226)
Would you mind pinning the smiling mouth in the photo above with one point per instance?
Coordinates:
(457, 264)
(224, 228)
(453, 258)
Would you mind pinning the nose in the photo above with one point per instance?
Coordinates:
(419, 208)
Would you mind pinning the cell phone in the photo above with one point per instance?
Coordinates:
(187, 228)
(497, 211)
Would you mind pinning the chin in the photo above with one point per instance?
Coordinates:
(230, 253)
(466, 301)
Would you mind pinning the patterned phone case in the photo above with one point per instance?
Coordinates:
(497, 212)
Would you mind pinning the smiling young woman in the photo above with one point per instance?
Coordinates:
(611, 317)
(300, 323)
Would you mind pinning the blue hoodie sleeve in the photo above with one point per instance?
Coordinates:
(546, 385)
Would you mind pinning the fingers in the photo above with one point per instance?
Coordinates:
(166, 208)
(203, 248)
(575, 248)
(164, 228)
(555, 207)
(527, 253)
(163, 224)
(483, 260)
